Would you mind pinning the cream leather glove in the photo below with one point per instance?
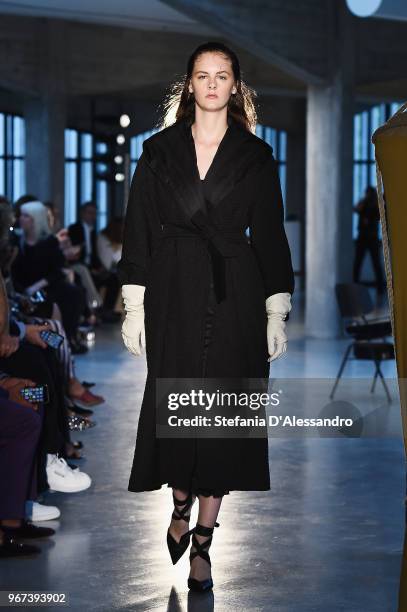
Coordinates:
(133, 331)
(277, 307)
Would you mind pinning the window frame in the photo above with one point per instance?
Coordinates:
(9, 156)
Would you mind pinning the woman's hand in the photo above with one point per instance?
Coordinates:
(277, 307)
(133, 331)
(32, 334)
(13, 386)
(276, 339)
(62, 236)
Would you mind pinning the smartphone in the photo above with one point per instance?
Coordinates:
(51, 338)
(38, 297)
(35, 395)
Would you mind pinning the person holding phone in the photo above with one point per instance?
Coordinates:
(20, 428)
(40, 266)
(31, 359)
(199, 297)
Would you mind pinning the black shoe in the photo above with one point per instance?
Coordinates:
(11, 548)
(177, 549)
(201, 586)
(28, 530)
(78, 423)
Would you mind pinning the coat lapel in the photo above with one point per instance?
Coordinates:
(171, 155)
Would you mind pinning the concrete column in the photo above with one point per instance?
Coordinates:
(329, 179)
(295, 185)
(46, 117)
(45, 124)
(295, 200)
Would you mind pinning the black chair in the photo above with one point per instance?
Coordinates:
(355, 304)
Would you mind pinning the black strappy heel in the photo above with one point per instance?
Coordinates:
(177, 549)
(200, 550)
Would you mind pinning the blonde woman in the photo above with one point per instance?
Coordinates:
(40, 266)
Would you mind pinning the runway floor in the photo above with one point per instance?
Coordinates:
(328, 536)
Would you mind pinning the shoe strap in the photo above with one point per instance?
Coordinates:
(204, 531)
(184, 517)
(200, 547)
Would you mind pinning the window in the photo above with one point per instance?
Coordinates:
(12, 156)
(79, 172)
(364, 166)
(136, 148)
(102, 168)
(278, 140)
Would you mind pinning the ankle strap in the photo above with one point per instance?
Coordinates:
(204, 531)
(182, 512)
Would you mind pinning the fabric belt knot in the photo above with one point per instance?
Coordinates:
(218, 244)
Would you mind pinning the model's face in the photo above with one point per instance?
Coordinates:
(212, 81)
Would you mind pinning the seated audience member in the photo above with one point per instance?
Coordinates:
(24, 354)
(18, 203)
(53, 218)
(40, 265)
(24, 311)
(83, 233)
(109, 248)
(20, 429)
(72, 254)
(109, 244)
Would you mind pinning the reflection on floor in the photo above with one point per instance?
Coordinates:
(328, 536)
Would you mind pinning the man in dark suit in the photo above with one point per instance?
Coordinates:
(83, 234)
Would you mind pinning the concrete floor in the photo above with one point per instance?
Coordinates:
(328, 536)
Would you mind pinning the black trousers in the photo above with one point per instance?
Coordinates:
(41, 366)
(20, 428)
(363, 245)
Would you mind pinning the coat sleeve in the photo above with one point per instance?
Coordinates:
(138, 231)
(267, 234)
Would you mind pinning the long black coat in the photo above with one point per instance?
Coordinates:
(181, 234)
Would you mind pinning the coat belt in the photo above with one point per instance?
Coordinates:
(221, 243)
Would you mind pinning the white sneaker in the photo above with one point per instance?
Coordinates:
(38, 512)
(63, 478)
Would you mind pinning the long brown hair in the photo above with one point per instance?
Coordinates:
(180, 103)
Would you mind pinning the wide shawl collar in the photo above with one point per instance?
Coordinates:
(171, 156)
